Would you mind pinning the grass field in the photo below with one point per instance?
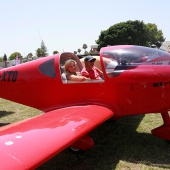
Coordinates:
(124, 144)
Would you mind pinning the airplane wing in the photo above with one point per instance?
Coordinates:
(30, 143)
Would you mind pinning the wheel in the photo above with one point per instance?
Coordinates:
(74, 149)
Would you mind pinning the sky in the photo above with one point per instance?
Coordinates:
(66, 25)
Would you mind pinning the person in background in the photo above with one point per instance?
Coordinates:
(71, 71)
(90, 71)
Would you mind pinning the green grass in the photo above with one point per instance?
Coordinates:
(124, 144)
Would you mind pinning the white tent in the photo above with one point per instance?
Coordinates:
(165, 46)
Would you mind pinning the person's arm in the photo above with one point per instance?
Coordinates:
(77, 78)
(100, 72)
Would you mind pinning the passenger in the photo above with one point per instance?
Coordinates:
(71, 72)
(90, 71)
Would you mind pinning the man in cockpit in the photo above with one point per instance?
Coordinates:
(90, 71)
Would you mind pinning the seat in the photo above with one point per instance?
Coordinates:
(64, 78)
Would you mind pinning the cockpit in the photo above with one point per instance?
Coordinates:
(116, 59)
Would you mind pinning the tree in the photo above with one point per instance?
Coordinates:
(130, 32)
(29, 56)
(86, 53)
(84, 47)
(79, 50)
(44, 49)
(13, 56)
(55, 52)
(75, 52)
(155, 36)
(5, 59)
(39, 52)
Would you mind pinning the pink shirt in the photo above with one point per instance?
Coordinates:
(92, 74)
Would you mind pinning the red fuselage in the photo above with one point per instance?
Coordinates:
(138, 89)
(136, 80)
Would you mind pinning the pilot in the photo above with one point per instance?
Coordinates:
(90, 71)
(71, 71)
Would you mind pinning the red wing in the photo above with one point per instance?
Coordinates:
(30, 143)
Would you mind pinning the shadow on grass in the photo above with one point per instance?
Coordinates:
(115, 141)
(3, 124)
(5, 113)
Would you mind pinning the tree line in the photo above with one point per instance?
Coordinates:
(123, 33)
(131, 33)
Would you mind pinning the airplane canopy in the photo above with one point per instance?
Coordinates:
(136, 55)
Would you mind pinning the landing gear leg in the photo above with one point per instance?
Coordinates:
(166, 118)
(164, 130)
(86, 142)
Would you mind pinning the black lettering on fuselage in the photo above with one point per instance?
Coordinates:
(10, 73)
(14, 77)
(4, 76)
(10, 76)
(161, 84)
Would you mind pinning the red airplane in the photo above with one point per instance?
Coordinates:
(136, 81)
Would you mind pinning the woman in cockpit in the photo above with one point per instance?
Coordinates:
(71, 71)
